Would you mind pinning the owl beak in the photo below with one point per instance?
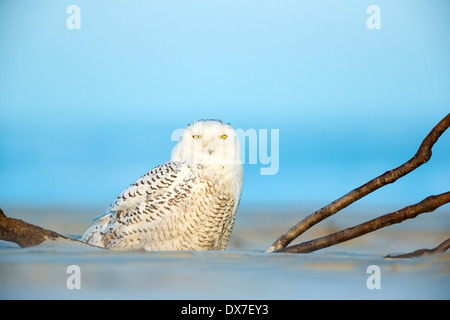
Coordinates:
(209, 148)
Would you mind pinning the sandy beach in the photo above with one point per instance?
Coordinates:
(243, 271)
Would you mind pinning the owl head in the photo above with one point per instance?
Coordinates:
(208, 142)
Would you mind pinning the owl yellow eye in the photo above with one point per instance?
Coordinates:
(196, 136)
(224, 136)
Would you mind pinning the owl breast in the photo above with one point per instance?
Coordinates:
(205, 218)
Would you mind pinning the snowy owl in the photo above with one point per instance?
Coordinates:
(188, 203)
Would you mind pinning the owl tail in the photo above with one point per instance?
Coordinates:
(94, 235)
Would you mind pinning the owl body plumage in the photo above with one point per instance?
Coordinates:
(188, 203)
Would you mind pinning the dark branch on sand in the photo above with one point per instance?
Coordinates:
(422, 156)
(24, 233)
(443, 247)
(427, 205)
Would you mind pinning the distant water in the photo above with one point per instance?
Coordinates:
(243, 271)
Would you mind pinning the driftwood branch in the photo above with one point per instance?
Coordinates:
(24, 233)
(443, 247)
(422, 156)
(427, 205)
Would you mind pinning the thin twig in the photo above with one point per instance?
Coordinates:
(443, 247)
(427, 205)
(422, 156)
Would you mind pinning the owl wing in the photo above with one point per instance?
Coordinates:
(155, 184)
(152, 184)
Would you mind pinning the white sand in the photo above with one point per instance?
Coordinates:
(244, 271)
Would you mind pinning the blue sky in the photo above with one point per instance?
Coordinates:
(83, 113)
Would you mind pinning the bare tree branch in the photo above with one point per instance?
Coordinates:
(443, 247)
(427, 205)
(422, 156)
(25, 234)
